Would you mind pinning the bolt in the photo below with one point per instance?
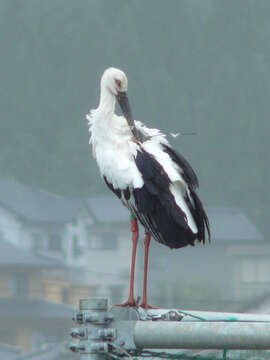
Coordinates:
(107, 334)
(76, 333)
(99, 347)
(76, 347)
(108, 317)
(79, 318)
(173, 315)
(120, 342)
(92, 317)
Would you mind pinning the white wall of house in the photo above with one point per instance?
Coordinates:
(11, 228)
(76, 240)
(72, 238)
(107, 268)
(35, 238)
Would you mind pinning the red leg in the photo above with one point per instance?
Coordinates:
(144, 303)
(135, 235)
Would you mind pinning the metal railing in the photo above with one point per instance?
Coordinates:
(118, 332)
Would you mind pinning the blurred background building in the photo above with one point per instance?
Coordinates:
(56, 250)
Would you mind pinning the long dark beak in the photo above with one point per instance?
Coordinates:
(126, 109)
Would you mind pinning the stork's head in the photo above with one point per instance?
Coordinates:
(115, 81)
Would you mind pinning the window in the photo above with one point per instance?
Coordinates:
(37, 241)
(89, 231)
(76, 248)
(105, 241)
(55, 242)
(19, 285)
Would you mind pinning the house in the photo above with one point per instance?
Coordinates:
(92, 237)
(54, 251)
(50, 226)
(109, 247)
(31, 309)
(22, 273)
(72, 231)
(45, 242)
(221, 276)
(44, 222)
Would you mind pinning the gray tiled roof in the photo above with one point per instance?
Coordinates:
(11, 255)
(108, 209)
(37, 205)
(228, 223)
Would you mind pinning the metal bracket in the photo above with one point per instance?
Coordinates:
(93, 333)
(100, 331)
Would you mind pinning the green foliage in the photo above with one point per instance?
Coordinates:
(193, 66)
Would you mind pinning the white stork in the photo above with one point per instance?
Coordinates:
(152, 180)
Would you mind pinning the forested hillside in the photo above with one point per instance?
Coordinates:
(193, 65)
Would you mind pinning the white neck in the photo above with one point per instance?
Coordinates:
(106, 101)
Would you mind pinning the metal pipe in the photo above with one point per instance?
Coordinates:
(202, 335)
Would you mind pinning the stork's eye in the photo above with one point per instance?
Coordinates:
(118, 83)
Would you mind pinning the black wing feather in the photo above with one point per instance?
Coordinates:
(200, 217)
(188, 173)
(110, 186)
(156, 207)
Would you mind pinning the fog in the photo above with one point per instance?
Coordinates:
(199, 67)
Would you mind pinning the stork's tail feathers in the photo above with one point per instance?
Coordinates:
(200, 217)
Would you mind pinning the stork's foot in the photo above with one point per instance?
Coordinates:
(130, 302)
(146, 306)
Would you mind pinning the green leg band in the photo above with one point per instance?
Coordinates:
(132, 217)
